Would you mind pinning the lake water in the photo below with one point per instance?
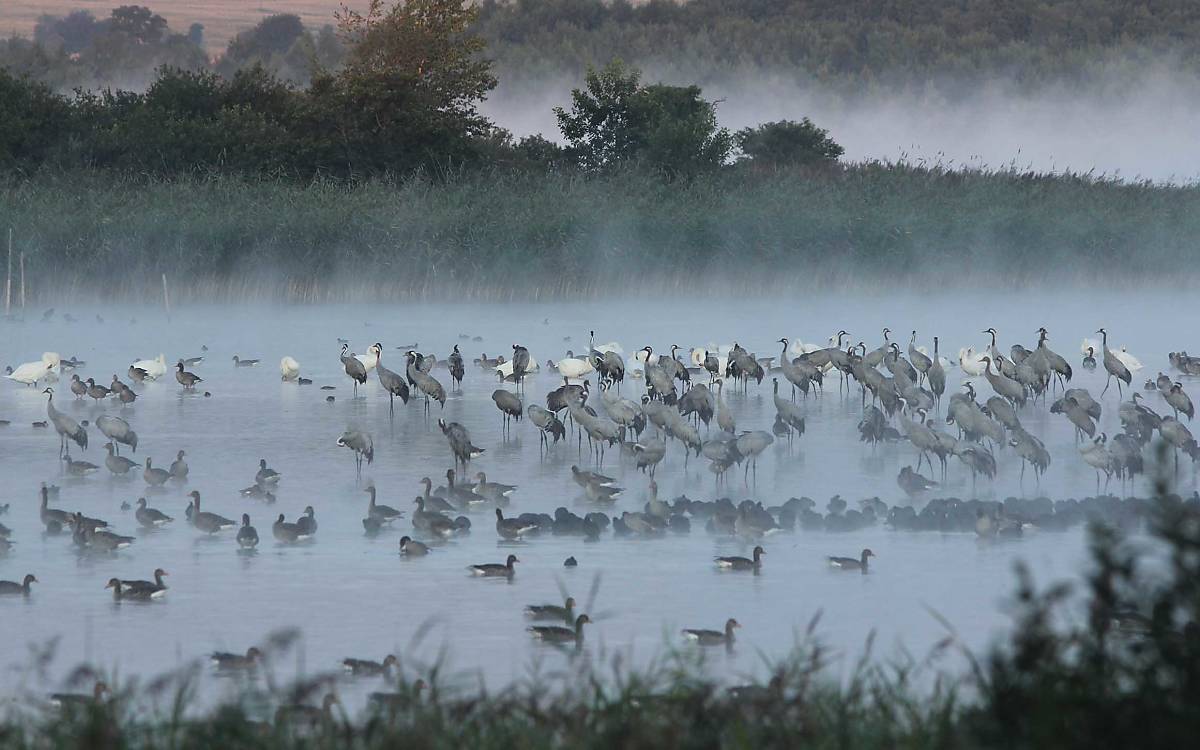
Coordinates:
(356, 596)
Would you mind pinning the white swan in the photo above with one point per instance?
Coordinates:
(506, 369)
(289, 368)
(30, 373)
(971, 361)
(370, 359)
(946, 364)
(1091, 344)
(1133, 363)
(611, 346)
(572, 367)
(154, 368)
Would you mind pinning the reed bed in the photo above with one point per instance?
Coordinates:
(501, 235)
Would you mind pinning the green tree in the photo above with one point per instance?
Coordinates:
(616, 121)
(787, 143)
(139, 23)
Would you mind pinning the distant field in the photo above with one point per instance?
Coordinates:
(222, 19)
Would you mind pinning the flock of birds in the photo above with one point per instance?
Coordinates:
(675, 403)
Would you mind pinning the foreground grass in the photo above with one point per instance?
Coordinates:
(548, 235)
(1125, 674)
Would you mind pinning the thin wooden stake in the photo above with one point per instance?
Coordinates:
(8, 281)
(22, 285)
(166, 298)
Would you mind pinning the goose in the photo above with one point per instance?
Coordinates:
(258, 491)
(179, 468)
(288, 533)
(289, 369)
(155, 589)
(512, 528)
(851, 563)
(355, 369)
(96, 392)
(564, 611)
(461, 497)
(1114, 365)
(559, 634)
(368, 668)
(52, 516)
(154, 476)
(225, 661)
(67, 428)
(304, 717)
(712, 637)
(247, 536)
(187, 379)
(307, 523)
(210, 523)
(239, 362)
(78, 387)
(913, 483)
(390, 381)
(410, 547)
(118, 465)
(1089, 358)
(116, 387)
(496, 570)
(435, 500)
(30, 373)
(12, 588)
(118, 431)
(100, 539)
(152, 369)
(382, 513)
(73, 701)
(79, 468)
(494, 491)
(742, 563)
(119, 592)
(150, 517)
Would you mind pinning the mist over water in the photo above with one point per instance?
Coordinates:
(354, 596)
(1133, 125)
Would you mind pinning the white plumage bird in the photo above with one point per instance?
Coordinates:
(30, 373)
(154, 368)
(971, 362)
(573, 367)
(289, 369)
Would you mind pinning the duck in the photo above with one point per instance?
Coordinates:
(368, 668)
(150, 518)
(179, 467)
(559, 634)
(564, 611)
(155, 477)
(742, 563)
(12, 588)
(209, 523)
(496, 570)
(247, 536)
(851, 563)
(712, 637)
(226, 661)
(410, 547)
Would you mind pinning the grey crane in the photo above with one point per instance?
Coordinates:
(1057, 363)
(459, 439)
(1003, 385)
(697, 401)
(361, 443)
(187, 379)
(875, 357)
(1114, 366)
(547, 423)
(67, 428)
(1097, 455)
(355, 369)
(509, 405)
(520, 363)
(1180, 401)
(391, 381)
(425, 383)
(750, 445)
(725, 418)
(628, 414)
(1032, 451)
(936, 375)
(920, 361)
(117, 430)
(797, 372)
(787, 411)
(649, 452)
(457, 368)
(1176, 435)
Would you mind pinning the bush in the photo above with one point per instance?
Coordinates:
(787, 143)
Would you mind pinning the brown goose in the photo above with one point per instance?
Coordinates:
(179, 467)
(712, 637)
(153, 589)
(311, 717)
(850, 563)
(742, 563)
(565, 611)
(186, 379)
(71, 701)
(512, 528)
(496, 570)
(410, 547)
(53, 516)
(150, 517)
(155, 477)
(381, 513)
(559, 634)
(368, 668)
(98, 539)
(228, 662)
(11, 588)
(120, 593)
(118, 465)
(79, 468)
(247, 536)
(209, 523)
(307, 523)
(288, 533)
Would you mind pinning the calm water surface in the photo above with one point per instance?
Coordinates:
(354, 596)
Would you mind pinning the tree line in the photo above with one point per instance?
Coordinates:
(404, 97)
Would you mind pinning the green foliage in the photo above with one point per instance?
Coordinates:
(787, 143)
(34, 121)
(616, 121)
